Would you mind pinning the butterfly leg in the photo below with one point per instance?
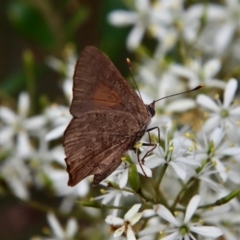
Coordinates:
(141, 161)
(149, 130)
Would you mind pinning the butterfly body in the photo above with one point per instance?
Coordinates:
(109, 118)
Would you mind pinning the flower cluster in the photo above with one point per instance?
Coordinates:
(185, 188)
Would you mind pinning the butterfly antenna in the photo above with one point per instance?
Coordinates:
(130, 69)
(192, 90)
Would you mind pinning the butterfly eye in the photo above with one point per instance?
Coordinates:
(151, 109)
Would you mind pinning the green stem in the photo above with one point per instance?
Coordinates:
(223, 200)
(184, 188)
(160, 177)
(28, 60)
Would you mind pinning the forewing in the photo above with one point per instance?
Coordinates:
(99, 85)
(95, 140)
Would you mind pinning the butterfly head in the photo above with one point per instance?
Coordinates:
(151, 108)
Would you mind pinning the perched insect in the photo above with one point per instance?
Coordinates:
(109, 118)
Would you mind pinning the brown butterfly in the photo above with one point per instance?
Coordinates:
(109, 118)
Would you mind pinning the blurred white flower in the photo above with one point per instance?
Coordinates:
(58, 233)
(59, 117)
(17, 175)
(113, 195)
(177, 154)
(144, 15)
(59, 179)
(67, 67)
(226, 114)
(198, 73)
(121, 173)
(125, 224)
(17, 126)
(183, 228)
(214, 148)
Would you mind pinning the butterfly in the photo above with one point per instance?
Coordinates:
(109, 118)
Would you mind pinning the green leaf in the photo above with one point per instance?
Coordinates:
(30, 23)
(133, 178)
(78, 18)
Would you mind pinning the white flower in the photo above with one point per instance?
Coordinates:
(176, 154)
(60, 117)
(115, 196)
(198, 73)
(59, 179)
(141, 19)
(58, 232)
(214, 147)
(125, 224)
(223, 24)
(18, 126)
(183, 228)
(205, 177)
(67, 67)
(144, 167)
(151, 72)
(17, 175)
(223, 114)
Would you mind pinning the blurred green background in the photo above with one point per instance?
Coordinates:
(31, 31)
(40, 28)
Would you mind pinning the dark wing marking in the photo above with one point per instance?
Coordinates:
(94, 140)
(99, 85)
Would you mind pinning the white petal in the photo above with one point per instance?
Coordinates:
(164, 213)
(7, 115)
(112, 220)
(82, 188)
(173, 236)
(146, 170)
(229, 92)
(221, 169)
(119, 231)
(207, 231)
(124, 178)
(130, 234)
(135, 219)
(154, 162)
(55, 226)
(23, 145)
(18, 187)
(135, 36)
(159, 152)
(71, 228)
(216, 136)
(235, 111)
(23, 104)
(55, 133)
(223, 36)
(181, 105)
(6, 136)
(211, 123)
(212, 67)
(190, 161)
(35, 123)
(207, 102)
(234, 176)
(231, 151)
(179, 170)
(191, 208)
(142, 5)
(148, 213)
(131, 212)
(122, 18)
(215, 83)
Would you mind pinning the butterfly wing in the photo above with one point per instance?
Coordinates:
(99, 85)
(95, 143)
